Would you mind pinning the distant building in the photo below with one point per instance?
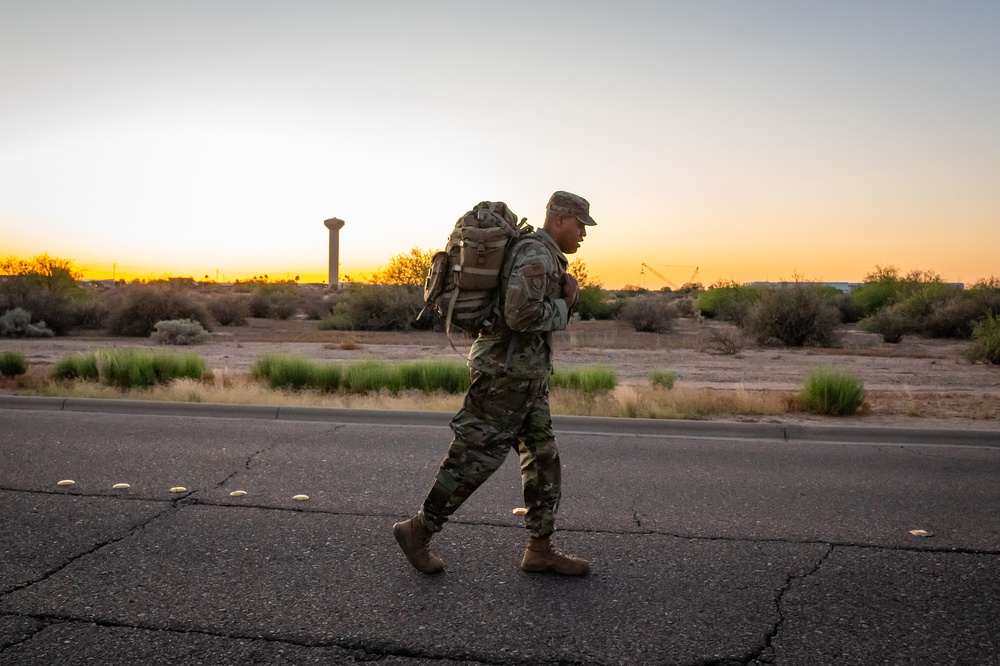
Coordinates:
(842, 286)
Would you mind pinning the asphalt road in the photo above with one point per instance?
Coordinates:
(710, 544)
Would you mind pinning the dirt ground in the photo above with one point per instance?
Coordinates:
(916, 383)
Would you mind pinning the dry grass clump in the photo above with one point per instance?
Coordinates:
(934, 404)
(223, 387)
(679, 403)
(228, 389)
(347, 344)
(626, 401)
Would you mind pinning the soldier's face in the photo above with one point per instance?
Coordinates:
(571, 233)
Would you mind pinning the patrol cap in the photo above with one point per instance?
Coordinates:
(571, 204)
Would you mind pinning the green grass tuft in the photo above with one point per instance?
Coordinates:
(284, 371)
(12, 364)
(986, 341)
(297, 373)
(430, 376)
(592, 379)
(130, 368)
(664, 378)
(832, 392)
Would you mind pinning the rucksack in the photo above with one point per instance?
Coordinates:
(461, 285)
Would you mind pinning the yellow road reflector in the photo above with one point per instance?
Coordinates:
(301, 498)
(121, 486)
(178, 489)
(520, 511)
(66, 482)
(238, 493)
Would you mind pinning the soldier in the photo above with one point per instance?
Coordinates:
(507, 406)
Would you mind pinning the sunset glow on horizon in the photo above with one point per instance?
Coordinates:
(756, 141)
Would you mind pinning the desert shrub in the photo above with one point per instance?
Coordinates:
(735, 311)
(180, 332)
(923, 304)
(278, 298)
(832, 392)
(889, 323)
(137, 308)
(284, 304)
(596, 303)
(880, 289)
(953, 317)
(43, 285)
(794, 314)
(16, 323)
(728, 301)
(31, 293)
(260, 306)
(89, 312)
(376, 307)
(728, 340)
(685, 303)
(649, 313)
(917, 300)
(339, 319)
(12, 364)
(916, 297)
(317, 304)
(405, 269)
(986, 341)
(986, 294)
(229, 309)
(663, 378)
(591, 379)
(131, 368)
(850, 309)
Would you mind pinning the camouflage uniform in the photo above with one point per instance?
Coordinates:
(507, 406)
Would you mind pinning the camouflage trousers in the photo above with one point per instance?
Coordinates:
(500, 414)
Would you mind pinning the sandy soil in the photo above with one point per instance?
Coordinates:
(917, 383)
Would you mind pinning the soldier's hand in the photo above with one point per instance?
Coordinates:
(570, 290)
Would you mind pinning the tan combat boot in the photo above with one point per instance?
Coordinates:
(541, 557)
(415, 540)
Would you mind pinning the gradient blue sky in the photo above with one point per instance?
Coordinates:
(756, 140)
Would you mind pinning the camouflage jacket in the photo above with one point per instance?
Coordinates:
(520, 343)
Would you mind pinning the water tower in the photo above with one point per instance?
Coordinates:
(334, 225)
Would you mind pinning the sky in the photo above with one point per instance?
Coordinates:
(715, 140)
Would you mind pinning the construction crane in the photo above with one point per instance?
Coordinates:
(662, 277)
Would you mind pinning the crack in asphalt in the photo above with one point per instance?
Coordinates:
(188, 499)
(251, 459)
(41, 626)
(246, 465)
(363, 651)
(760, 655)
(73, 493)
(73, 558)
(765, 654)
